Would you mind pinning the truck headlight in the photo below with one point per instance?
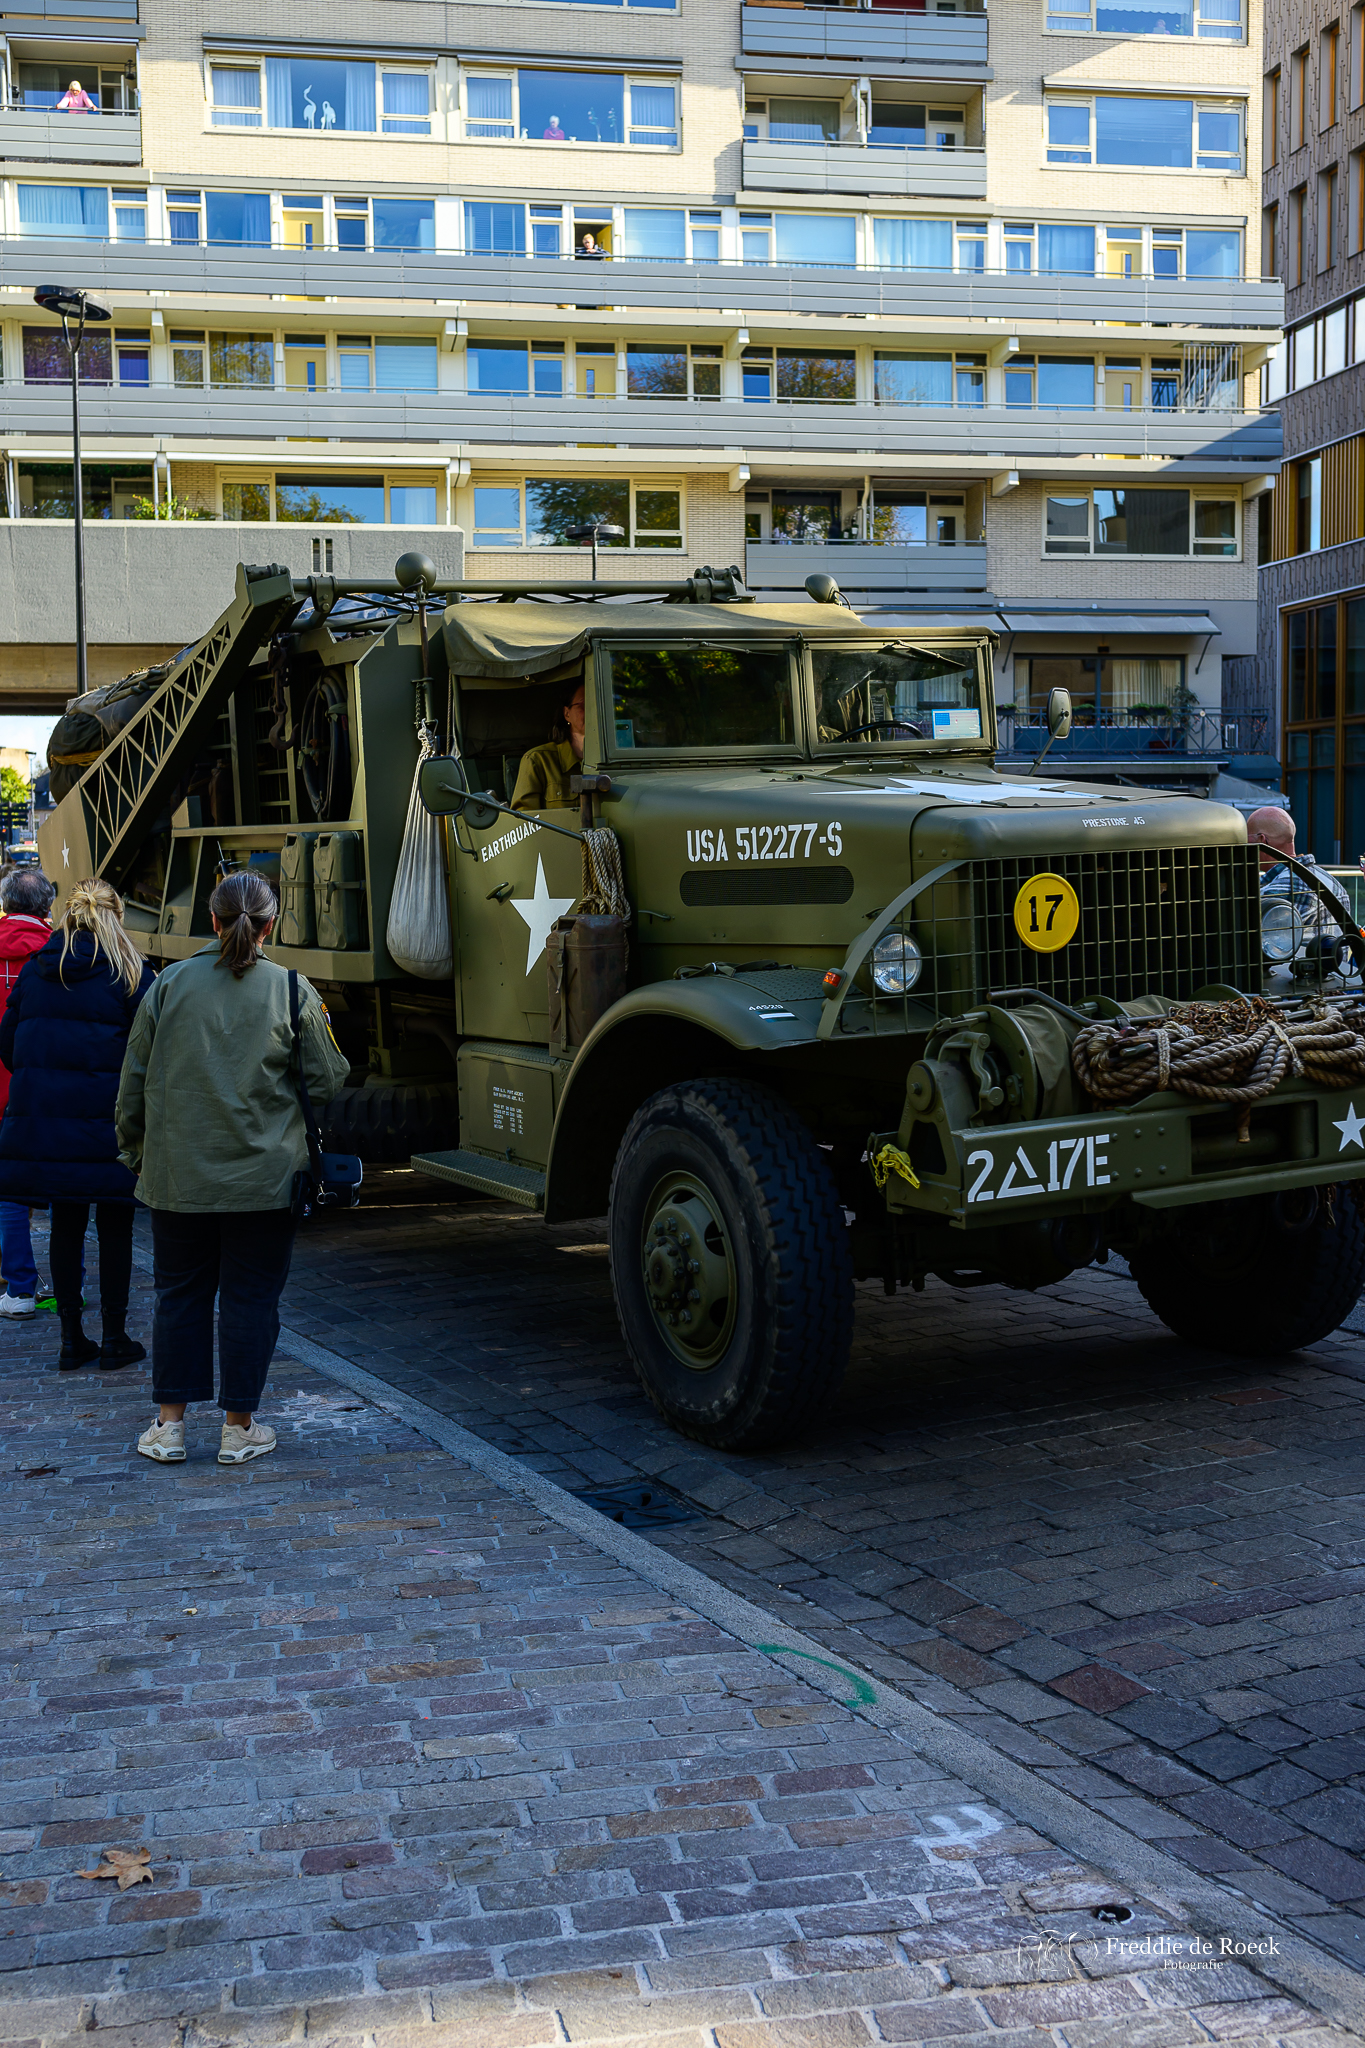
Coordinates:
(1281, 930)
(897, 964)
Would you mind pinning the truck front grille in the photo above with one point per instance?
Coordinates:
(1158, 921)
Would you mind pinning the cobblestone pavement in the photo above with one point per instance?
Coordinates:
(1137, 1568)
(413, 1764)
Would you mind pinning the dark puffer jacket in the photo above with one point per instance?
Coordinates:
(63, 1039)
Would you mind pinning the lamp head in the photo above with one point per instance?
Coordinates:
(595, 529)
(68, 304)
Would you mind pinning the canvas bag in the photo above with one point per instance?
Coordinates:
(419, 914)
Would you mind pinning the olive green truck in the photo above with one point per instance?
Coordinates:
(833, 1026)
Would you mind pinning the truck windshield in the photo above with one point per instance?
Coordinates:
(699, 697)
(871, 696)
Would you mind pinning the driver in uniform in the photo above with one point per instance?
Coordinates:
(543, 779)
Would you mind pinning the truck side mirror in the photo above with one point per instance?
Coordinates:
(443, 787)
(1058, 714)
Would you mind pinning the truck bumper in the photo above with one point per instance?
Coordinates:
(1163, 1153)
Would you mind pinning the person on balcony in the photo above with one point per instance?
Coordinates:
(75, 100)
(554, 133)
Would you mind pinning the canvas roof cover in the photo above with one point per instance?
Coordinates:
(508, 642)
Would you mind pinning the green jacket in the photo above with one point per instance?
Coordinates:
(207, 1113)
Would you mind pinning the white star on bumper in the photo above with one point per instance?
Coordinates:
(539, 913)
(1352, 1128)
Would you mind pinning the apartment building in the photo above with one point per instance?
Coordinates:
(964, 308)
(1311, 655)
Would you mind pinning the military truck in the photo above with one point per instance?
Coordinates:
(856, 961)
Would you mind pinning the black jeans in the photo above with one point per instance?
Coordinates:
(242, 1256)
(66, 1247)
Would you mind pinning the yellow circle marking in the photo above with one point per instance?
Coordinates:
(1047, 911)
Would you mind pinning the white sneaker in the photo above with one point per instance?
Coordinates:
(22, 1305)
(164, 1441)
(239, 1445)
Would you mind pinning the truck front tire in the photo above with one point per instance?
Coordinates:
(1260, 1276)
(730, 1263)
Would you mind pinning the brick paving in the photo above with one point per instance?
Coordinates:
(414, 1763)
(1135, 1567)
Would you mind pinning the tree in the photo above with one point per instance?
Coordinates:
(14, 787)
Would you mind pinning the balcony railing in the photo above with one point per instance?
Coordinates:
(1139, 729)
(646, 284)
(42, 135)
(865, 169)
(802, 29)
(1210, 443)
(863, 565)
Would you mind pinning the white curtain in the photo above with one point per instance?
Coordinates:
(1143, 679)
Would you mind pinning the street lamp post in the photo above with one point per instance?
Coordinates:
(591, 530)
(74, 306)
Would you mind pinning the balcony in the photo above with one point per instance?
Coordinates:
(866, 567)
(923, 42)
(1024, 299)
(1204, 443)
(865, 169)
(1138, 731)
(41, 135)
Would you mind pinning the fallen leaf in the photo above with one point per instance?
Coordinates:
(129, 1866)
(40, 1471)
(189, 1610)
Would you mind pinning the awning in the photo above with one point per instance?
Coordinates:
(987, 621)
(1110, 624)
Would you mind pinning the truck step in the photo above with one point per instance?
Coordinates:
(502, 1178)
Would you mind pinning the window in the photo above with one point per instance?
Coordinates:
(78, 211)
(756, 237)
(1334, 341)
(236, 95)
(1066, 382)
(1298, 98)
(1308, 505)
(1270, 232)
(329, 500)
(592, 107)
(674, 373)
(971, 245)
(697, 697)
(188, 356)
(353, 223)
(1219, 20)
(241, 360)
(1327, 218)
(654, 234)
(355, 362)
(496, 227)
(108, 491)
(1356, 56)
(1329, 42)
(46, 360)
(808, 121)
(913, 244)
(1270, 118)
(929, 379)
(132, 357)
(403, 224)
(246, 498)
(703, 229)
(517, 366)
(907, 124)
(1155, 133)
(238, 217)
(890, 694)
(1069, 250)
(1109, 521)
(540, 512)
(183, 210)
(814, 240)
(1298, 207)
(1302, 355)
(323, 95)
(412, 504)
(406, 99)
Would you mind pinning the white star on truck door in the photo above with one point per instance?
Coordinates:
(539, 912)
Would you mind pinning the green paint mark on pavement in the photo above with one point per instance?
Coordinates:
(863, 1695)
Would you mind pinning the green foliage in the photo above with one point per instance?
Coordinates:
(14, 787)
(172, 508)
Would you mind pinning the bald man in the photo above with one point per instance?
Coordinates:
(1271, 831)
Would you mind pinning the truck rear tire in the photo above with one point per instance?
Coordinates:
(730, 1263)
(1260, 1276)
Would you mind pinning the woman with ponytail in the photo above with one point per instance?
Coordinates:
(209, 1120)
(63, 1037)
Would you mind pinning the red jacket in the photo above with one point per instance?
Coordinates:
(19, 936)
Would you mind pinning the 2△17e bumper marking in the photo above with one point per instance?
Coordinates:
(1159, 1158)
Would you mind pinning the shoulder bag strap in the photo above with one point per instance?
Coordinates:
(310, 1122)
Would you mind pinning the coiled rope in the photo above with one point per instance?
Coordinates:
(1223, 1052)
(604, 882)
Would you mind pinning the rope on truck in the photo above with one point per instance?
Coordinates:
(1234, 1051)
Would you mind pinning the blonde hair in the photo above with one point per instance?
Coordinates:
(94, 907)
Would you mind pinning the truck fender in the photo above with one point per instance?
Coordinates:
(667, 1031)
